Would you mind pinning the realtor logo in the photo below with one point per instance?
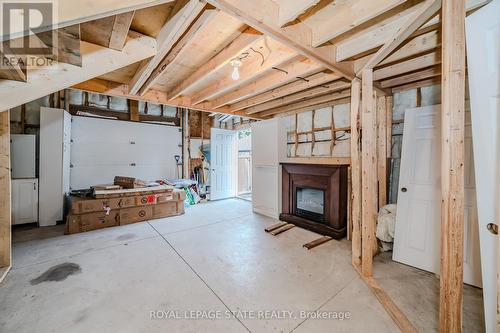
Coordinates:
(26, 31)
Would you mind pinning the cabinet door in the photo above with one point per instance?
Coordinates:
(24, 201)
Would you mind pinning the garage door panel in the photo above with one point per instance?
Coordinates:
(102, 149)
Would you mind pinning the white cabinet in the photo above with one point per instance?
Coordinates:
(24, 201)
(55, 137)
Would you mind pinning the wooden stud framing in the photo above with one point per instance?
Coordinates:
(121, 26)
(133, 110)
(382, 151)
(452, 166)
(356, 172)
(5, 195)
(369, 172)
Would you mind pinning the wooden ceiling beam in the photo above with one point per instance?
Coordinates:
(407, 66)
(169, 34)
(407, 78)
(298, 67)
(414, 47)
(67, 49)
(338, 18)
(116, 89)
(13, 67)
(309, 93)
(180, 47)
(306, 103)
(289, 11)
(340, 101)
(287, 89)
(236, 48)
(418, 84)
(378, 34)
(263, 15)
(96, 61)
(427, 11)
(276, 55)
(76, 12)
(121, 26)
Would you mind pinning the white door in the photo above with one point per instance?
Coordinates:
(223, 163)
(24, 201)
(483, 61)
(23, 155)
(418, 217)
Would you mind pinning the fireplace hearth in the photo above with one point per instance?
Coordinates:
(315, 198)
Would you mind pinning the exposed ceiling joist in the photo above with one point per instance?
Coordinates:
(67, 49)
(407, 66)
(75, 12)
(178, 49)
(96, 61)
(13, 66)
(276, 55)
(298, 96)
(298, 67)
(306, 103)
(121, 26)
(109, 88)
(236, 48)
(407, 78)
(428, 10)
(340, 17)
(291, 10)
(263, 15)
(287, 89)
(170, 33)
(340, 101)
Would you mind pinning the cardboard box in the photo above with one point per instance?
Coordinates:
(92, 221)
(129, 182)
(85, 205)
(168, 209)
(136, 214)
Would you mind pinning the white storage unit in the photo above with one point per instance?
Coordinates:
(102, 149)
(23, 155)
(24, 201)
(55, 136)
(266, 171)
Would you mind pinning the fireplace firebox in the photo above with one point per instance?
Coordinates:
(315, 198)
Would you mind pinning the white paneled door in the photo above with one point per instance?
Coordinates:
(223, 164)
(483, 62)
(418, 217)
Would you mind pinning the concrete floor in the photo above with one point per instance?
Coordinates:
(215, 259)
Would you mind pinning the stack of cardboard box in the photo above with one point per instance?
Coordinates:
(122, 207)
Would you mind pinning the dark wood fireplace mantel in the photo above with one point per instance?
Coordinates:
(332, 181)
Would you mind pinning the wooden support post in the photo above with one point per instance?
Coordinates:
(355, 172)
(5, 196)
(382, 151)
(389, 126)
(369, 172)
(133, 110)
(185, 143)
(452, 165)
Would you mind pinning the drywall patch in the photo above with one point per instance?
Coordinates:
(57, 273)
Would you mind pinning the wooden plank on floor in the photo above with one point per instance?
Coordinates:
(317, 242)
(390, 307)
(275, 226)
(282, 229)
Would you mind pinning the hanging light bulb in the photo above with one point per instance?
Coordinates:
(235, 63)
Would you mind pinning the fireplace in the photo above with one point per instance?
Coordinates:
(315, 198)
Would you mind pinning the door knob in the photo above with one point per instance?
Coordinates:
(493, 228)
(404, 189)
